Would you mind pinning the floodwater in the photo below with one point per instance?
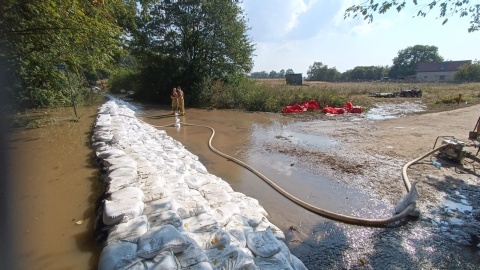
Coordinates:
(56, 187)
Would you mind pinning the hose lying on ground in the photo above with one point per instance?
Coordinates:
(315, 209)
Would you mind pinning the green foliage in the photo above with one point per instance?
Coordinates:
(365, 73)
(192, 44)
(445, 8)
(85, 36)
(251, 95)
(320, 72)
(407, 60)
(468, 72)
(124, 79)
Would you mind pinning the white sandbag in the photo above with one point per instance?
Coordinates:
(195, 181)
(154, 179)
(274, 262)
(144, 171)
(117, 185)
(111, 153)
(161, 205)
(239, 222)
(117, 211)
(153, 193)
(192, 206)
(410, 198)
(297, 264)
(200, 266)
(193, 255)
(129, 231)
(125, 175)
(165, 260)
(218, 238)
(267, 224)
(216, 195)
(159, 239)
(131, 263)
(115, 252)
(263, 243)
(102, 137)
(201, 223)
(222, 212)
(230, 258)
(115, 160)
(237, 238)
(166, 217)
(180, 190)
(215, 186)
(127, 193)
(200, 167)
(100, 145)
(253, 216)
(125, 164)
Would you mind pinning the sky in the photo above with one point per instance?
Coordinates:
(293, 34)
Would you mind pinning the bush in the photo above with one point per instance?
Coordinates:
(124, 79)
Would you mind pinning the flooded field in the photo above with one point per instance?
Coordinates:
(56, 187)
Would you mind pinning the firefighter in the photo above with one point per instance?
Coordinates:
(180, 102)
(174, 98)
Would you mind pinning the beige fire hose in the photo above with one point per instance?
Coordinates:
(312, 208)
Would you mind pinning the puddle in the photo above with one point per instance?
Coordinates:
(287, 132)
(461, 205)
(394, 110)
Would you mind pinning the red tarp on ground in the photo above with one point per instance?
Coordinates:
(308, 105)
(348, 107)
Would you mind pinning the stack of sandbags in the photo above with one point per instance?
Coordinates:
(163, 210)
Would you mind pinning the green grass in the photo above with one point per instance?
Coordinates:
(273, 95)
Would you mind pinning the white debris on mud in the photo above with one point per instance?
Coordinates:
(162, 210)
(394, 110)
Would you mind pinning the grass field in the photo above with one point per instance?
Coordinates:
(437, 96)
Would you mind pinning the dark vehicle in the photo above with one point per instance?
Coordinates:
(415, 92)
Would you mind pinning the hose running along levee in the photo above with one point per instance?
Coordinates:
(315, 209)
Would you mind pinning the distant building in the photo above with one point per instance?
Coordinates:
(439, 71)
(294, 79)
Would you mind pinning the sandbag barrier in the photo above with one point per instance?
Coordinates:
(161, 209)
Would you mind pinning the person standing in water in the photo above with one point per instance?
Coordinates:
(180, 100)
(174, 98)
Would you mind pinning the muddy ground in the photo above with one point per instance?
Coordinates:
(368, 155)
(346, 163)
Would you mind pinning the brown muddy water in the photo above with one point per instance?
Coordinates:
(55, 183)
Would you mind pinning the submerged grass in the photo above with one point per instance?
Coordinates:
(273, 95)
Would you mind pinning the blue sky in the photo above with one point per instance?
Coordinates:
(296, 33)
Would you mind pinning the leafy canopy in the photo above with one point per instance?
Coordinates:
(192, 43)
(85, 36)
(467, 9)
(407, 60)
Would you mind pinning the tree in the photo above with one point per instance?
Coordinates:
(85, 36)
(407, 60)
(281, 74)
(259, 75)
(289, 71)
(468, 72)
(273, 74)
(320, 72)
(445, 8)
(193, 43)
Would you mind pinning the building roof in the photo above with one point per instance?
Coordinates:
(441, 66)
